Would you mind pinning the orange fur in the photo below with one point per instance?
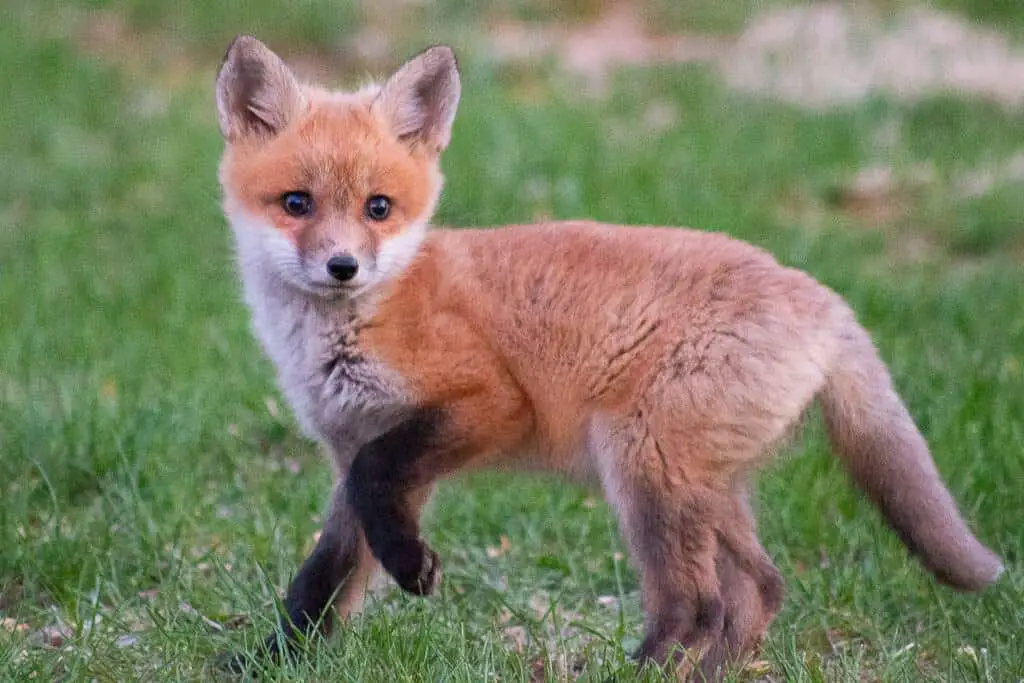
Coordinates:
(341, 155)
(662, 364)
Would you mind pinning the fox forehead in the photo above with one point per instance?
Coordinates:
(340, 153)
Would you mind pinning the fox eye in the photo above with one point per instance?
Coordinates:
(378, 207)
(297, 204)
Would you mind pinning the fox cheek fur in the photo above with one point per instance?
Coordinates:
(667, 381)
(328, 257)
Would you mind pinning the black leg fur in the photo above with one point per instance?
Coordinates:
(312, 592)
(382, 485)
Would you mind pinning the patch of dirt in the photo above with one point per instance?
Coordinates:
(886, 197)
(880, 195)
(166, 62)
(107, 36)
(826, 54)
(617, 38)
(816, 56)
(982, 180)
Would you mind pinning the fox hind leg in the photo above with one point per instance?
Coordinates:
(675, 549)
(751, 589)
(669, 526)
(744, 562)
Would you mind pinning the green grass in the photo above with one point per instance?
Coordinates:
(156, 496)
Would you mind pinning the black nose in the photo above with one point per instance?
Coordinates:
(343, 267)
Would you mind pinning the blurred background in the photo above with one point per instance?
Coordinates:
(155, 495)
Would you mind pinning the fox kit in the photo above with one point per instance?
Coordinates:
(662, 365)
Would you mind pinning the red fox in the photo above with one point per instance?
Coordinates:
(662, 365)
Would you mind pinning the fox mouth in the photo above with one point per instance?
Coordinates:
(334, 289)
(330, 289)
(315, 280)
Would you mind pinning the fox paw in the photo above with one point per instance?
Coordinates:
(235, 664)
(417, 569)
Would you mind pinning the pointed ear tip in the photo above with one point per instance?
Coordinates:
(444, 54)
(246, 40)
(443, 49)
(245, 46)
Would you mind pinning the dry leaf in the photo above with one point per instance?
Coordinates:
(52, 636)
(109, 390)
(540, 604)
(517, 637)
(968, 651)
(504, 547)
(126, 640)
(272, 407)
(236, 621)
(192, 611)
(12, 625)
(759, 667)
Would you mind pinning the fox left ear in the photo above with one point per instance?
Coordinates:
(419, 101)
(256, 92)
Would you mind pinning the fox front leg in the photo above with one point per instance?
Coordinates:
(387, 486)
(337, 571)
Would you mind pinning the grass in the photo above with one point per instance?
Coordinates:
(156, 496)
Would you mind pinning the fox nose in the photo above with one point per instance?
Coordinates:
(343, 267)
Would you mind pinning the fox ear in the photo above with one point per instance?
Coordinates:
(256, 92)
(419, 101)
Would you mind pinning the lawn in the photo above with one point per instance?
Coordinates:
(157, 496)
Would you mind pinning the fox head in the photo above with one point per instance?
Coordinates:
(332, 191)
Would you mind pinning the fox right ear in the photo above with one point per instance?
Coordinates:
(257, 94)
(419, 101)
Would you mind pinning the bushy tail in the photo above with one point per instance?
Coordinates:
(888, 458)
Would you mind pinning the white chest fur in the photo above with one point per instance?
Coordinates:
(339, 396)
